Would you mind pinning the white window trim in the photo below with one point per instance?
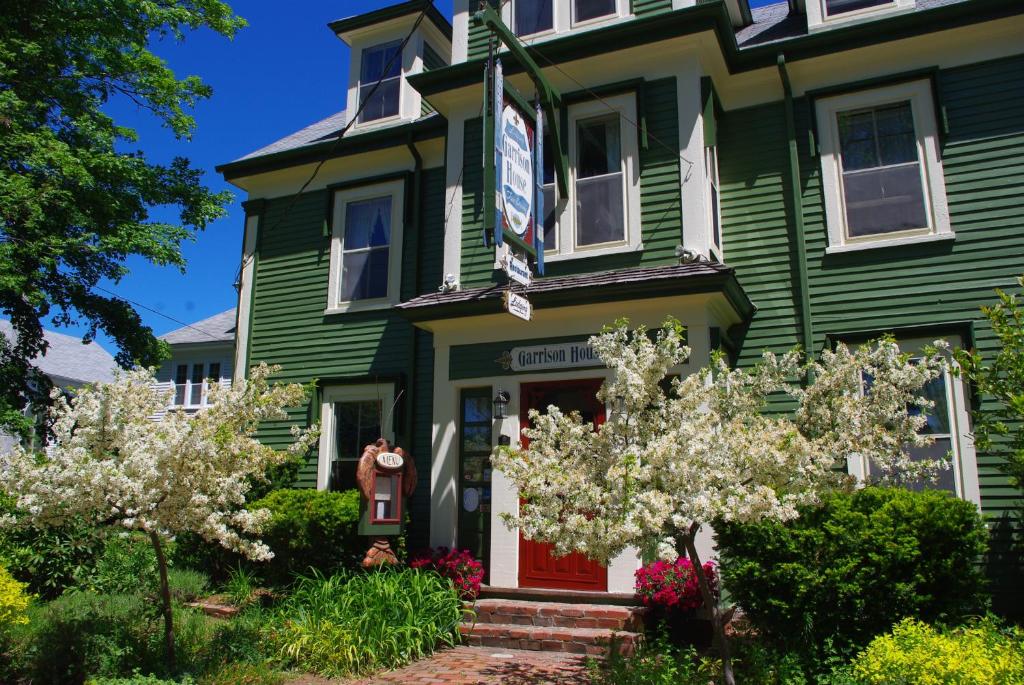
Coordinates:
(716, 180)
(349, 393)
(965, 462)
(919, 94)
(565, 211)
(204, 399)
(818, 17)
(395, 189)
(561, 20)
(411, 63)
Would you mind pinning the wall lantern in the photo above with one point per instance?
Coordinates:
(501, 404)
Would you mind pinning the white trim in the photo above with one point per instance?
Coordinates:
(385, 392)
(394, 189)
(565, 212)
(562, 23)
(890, 242)
(454, 153)
(919, 94)
(411, 63)
(460, 31)
(245, 288)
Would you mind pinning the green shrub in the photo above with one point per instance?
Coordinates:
(309, 530)
(914, 652)
(243, 674)
(242, 638)
(241, 587)
(354, 624)
(126, 565)
(655, 662)
(846, 571)
(50, 559)
(138, 680)
(187, 585)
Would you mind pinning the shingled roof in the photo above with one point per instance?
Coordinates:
(217, 328)
(602, 286)
(67, 359)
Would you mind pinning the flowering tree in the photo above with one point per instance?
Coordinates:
(112, 464)
(666, 463)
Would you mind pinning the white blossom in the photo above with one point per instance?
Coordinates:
(712, 448)
(111, 463)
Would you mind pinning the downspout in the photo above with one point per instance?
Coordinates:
(802, 287)
(413, 232)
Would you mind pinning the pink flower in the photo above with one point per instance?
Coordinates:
(673, 586)
(465, 572)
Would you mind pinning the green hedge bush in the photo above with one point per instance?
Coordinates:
(309, 530)
(828, 582)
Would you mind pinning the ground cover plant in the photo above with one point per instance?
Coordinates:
(827, 582)
(354, 624)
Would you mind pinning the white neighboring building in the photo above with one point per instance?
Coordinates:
(67, 362)
(199, 351)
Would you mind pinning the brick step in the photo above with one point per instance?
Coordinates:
(592, 641)
(558, 615)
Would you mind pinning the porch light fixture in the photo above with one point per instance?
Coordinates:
(501, 404)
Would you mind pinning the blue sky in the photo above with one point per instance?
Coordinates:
(284, 71)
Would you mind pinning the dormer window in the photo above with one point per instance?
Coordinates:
(834, 7)
(587, 10)
(532, 16)
(380, 62)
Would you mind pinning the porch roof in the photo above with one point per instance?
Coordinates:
(602, 286)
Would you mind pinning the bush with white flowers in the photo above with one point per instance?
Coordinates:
(111, 464)
(666, 463)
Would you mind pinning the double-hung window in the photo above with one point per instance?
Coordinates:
(530, 17)
(834, 7)
(601, 214)
(352, 417)
(590, 10)
(881, 171)
(381, 63)
(191, 387)
(948, 425)
(366, 247)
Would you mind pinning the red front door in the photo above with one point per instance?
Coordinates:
(538, 567)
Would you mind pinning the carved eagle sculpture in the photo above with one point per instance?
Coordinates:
(367, 464)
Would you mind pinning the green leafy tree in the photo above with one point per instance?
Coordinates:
(75, 202)
(1000, 429)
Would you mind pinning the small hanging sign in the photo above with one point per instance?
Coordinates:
(517, 305)
(516, 269)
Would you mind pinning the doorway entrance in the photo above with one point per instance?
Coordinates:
(538, 566)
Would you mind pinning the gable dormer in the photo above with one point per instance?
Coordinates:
(380, 51)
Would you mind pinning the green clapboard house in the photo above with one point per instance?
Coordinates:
(802, 173)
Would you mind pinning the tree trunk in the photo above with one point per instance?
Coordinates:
(718, 617)
(165, 595)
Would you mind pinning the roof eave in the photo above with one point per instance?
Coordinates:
(341, 26)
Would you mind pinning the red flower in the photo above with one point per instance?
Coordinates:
(465, 572)
(673, 586)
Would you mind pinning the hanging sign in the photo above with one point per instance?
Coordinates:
(390, 461)
(517, 305)
(556, 356)
(516, 269)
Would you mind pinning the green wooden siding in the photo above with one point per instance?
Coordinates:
(642, 7)
(660, 210)
(289, 327)
(883, 289)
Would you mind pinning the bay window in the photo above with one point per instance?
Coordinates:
(881, 171)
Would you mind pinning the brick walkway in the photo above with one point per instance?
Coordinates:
(489, 665)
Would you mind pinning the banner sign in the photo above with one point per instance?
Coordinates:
(557, 356)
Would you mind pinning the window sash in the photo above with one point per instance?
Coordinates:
(532, 16)
(834, 7)
(384, 102)
(589, 10)
(600, 223)
(365, 270)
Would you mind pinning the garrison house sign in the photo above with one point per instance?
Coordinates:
(517, 174)
(556, 356)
